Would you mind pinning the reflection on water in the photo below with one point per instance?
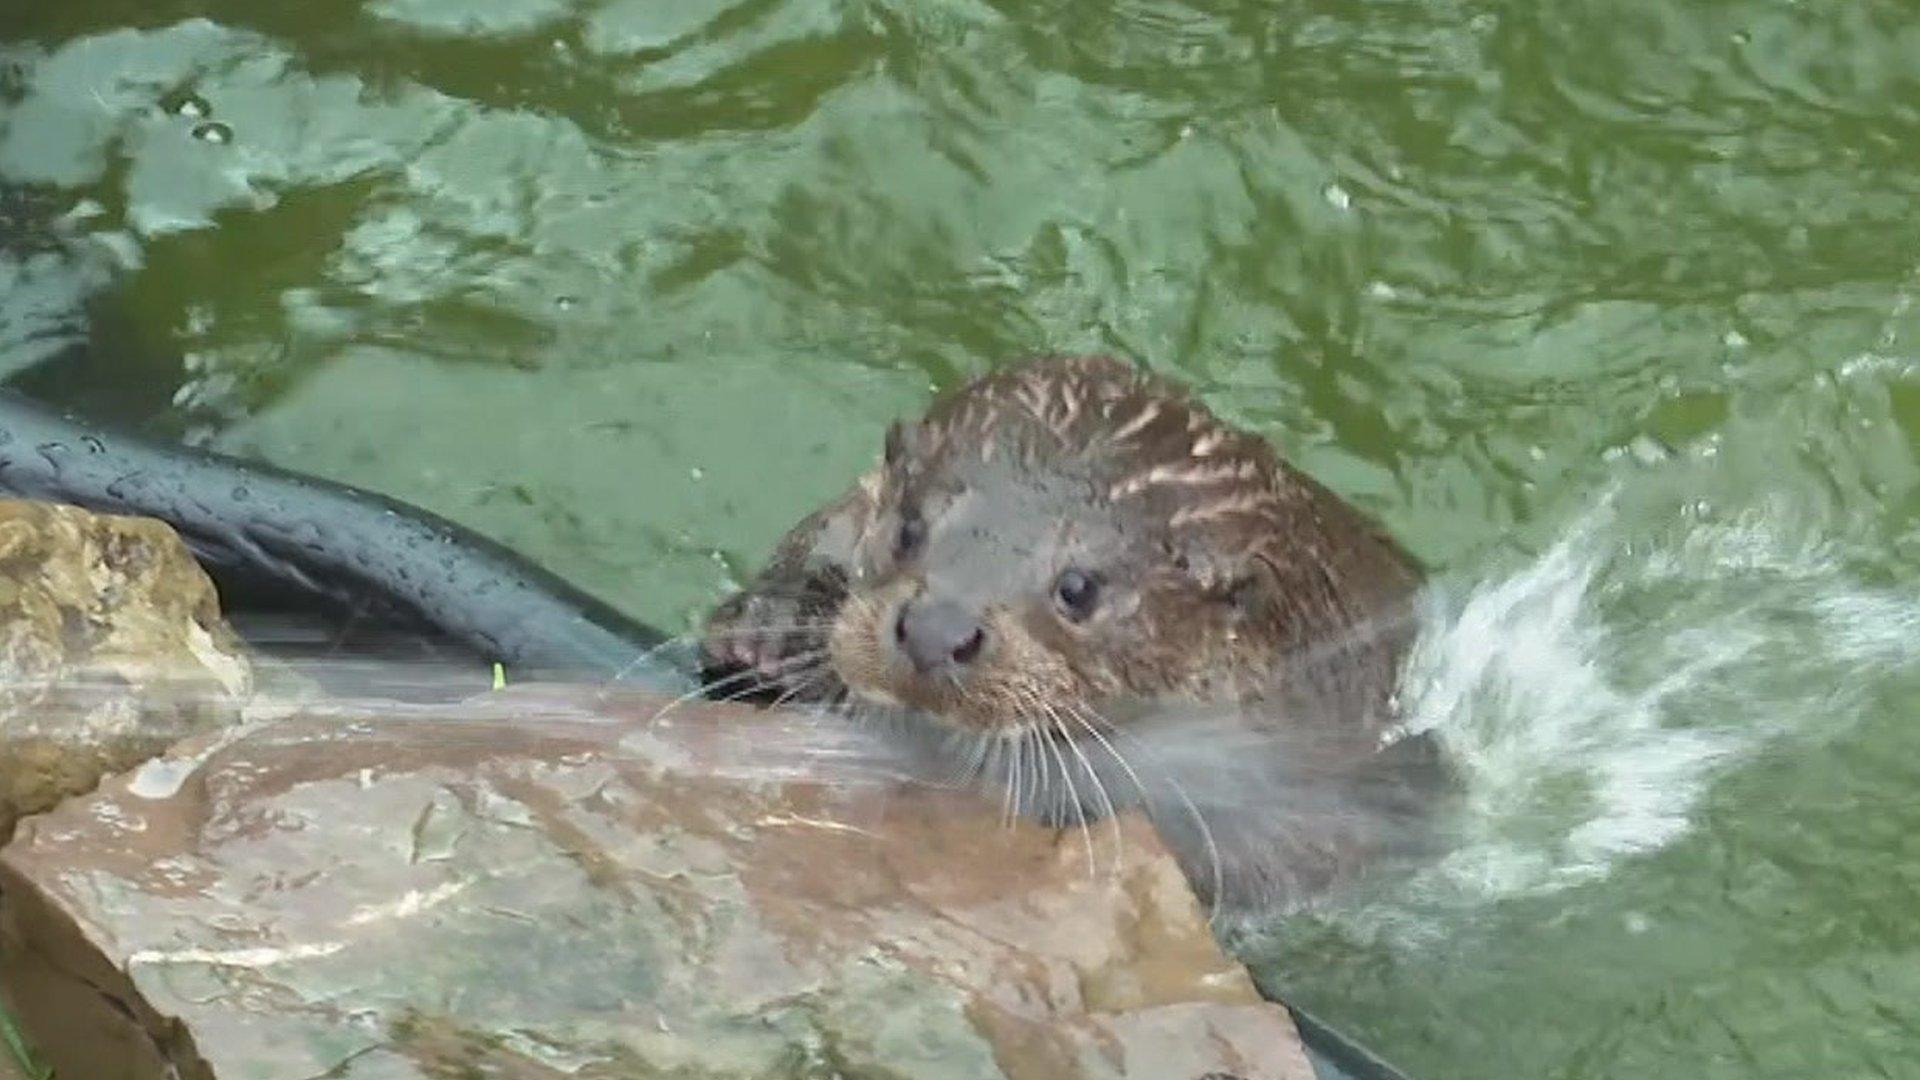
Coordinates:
(1604, 307)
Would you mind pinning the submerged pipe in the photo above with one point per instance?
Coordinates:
(275, 541)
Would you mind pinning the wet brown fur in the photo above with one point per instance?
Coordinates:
(1257, 565)
(1229, 576)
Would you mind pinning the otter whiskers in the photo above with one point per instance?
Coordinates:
(1097, 726)
(1054, 727)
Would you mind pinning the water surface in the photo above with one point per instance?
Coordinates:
(1606, 307)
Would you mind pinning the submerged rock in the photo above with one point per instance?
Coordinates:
(525, 889)
(112, 648)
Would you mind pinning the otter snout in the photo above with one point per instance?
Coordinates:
(938, 635)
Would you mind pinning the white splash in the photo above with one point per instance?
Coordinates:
(1594, 696)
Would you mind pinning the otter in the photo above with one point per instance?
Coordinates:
(1069, 551)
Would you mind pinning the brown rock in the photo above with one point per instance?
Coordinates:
(111, 649)
(525, 890)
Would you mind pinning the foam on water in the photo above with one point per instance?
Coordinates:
(1593, 695)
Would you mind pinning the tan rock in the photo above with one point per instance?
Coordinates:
(111, 649)
(532, 890)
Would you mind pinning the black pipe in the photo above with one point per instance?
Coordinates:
(278, 542)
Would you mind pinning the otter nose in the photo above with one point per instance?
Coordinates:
(938, 634)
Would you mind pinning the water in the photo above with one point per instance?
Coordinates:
(1605, 307)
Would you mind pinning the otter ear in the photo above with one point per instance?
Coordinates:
(1240, 582)
(1247, 584)
(1255, 588)
(1251, 592)
(903, 438)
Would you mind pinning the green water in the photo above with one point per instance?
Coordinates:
(630, 284)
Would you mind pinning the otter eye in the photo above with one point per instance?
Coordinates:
(1078, 594)
(913, 533)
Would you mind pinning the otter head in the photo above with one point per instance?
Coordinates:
(1057, 540)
